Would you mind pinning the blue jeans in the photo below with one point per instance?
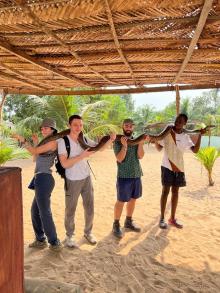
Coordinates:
(41, 215)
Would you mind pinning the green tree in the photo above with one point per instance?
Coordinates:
(143, 116)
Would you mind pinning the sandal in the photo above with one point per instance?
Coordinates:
(175, 223)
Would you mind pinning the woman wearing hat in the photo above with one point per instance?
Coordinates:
(43, 184)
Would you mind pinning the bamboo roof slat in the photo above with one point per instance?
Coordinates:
(202, 20)
(116, 41)
(22, 5)
(47, 45)
(33, 60)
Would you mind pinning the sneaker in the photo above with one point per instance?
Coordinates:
(70, 242)
(116, 230)
(90, 238)
(129, 224)
(163, 224)
(175, 223)
(38, 244)
(57, 246)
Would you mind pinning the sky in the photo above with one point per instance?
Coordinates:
(160, 100)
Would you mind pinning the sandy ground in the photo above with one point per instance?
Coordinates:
(154, 260)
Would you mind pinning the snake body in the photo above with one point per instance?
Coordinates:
(104, 139)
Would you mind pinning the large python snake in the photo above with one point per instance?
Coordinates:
(104, 139)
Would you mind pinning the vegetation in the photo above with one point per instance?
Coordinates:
(102, 113)
(207, 156)
(9, 151)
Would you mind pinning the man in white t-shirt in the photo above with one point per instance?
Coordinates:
(172, 168)
(78, 181)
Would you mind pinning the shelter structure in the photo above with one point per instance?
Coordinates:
(61, 47)
(58, 46)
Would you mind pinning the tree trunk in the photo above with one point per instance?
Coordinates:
(209, 137)
(211, 182)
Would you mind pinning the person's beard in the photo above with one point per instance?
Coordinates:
(127, 133)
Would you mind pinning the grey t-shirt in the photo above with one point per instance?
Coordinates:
(44, 162)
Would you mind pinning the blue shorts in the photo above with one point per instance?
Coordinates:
(128, 188)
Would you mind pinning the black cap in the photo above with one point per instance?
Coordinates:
(128, 120)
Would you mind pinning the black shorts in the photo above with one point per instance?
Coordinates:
(171, 178)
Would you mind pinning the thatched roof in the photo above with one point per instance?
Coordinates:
(48, 45)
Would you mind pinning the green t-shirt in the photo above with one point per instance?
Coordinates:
(130, 167)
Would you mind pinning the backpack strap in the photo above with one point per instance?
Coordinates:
(67, 144)
(86, 140)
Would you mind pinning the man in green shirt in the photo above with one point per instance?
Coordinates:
(129, 186)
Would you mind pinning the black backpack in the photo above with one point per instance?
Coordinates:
(59, 168)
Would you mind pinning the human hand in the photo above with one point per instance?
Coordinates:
(19, 138)
(35, 138)
(86, 153)
(203, 130)
(124, 141)
(112, 136)
(147, 138)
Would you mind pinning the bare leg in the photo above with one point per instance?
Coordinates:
(130, 207)
(163, 200)
(174, 201)
(118, 209)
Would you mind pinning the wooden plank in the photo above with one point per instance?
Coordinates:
(201, 23)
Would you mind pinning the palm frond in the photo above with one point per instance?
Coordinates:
(102, 130)
(88, 108)
(9, 151)
(207, 156)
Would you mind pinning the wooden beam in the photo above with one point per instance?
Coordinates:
(30, 13)
(115, 91)
(8, 47)
(7, 76)
(27, 79)
(116, 41)
(201, 23)
(177, 100)
(3, 99)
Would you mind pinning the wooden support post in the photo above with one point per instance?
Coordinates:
(4, 94)
(177, 100)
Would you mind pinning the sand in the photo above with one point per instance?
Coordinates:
(154, 260)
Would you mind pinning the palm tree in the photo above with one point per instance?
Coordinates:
(207, 156)
(96, 123)
(99, 117)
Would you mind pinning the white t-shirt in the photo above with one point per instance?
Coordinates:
(79, 170)
(183, 143)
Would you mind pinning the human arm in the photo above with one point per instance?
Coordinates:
(69, 162)
(196, 147)
(109, 142)
(140, 151)
(120, 156)
(50, 146)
